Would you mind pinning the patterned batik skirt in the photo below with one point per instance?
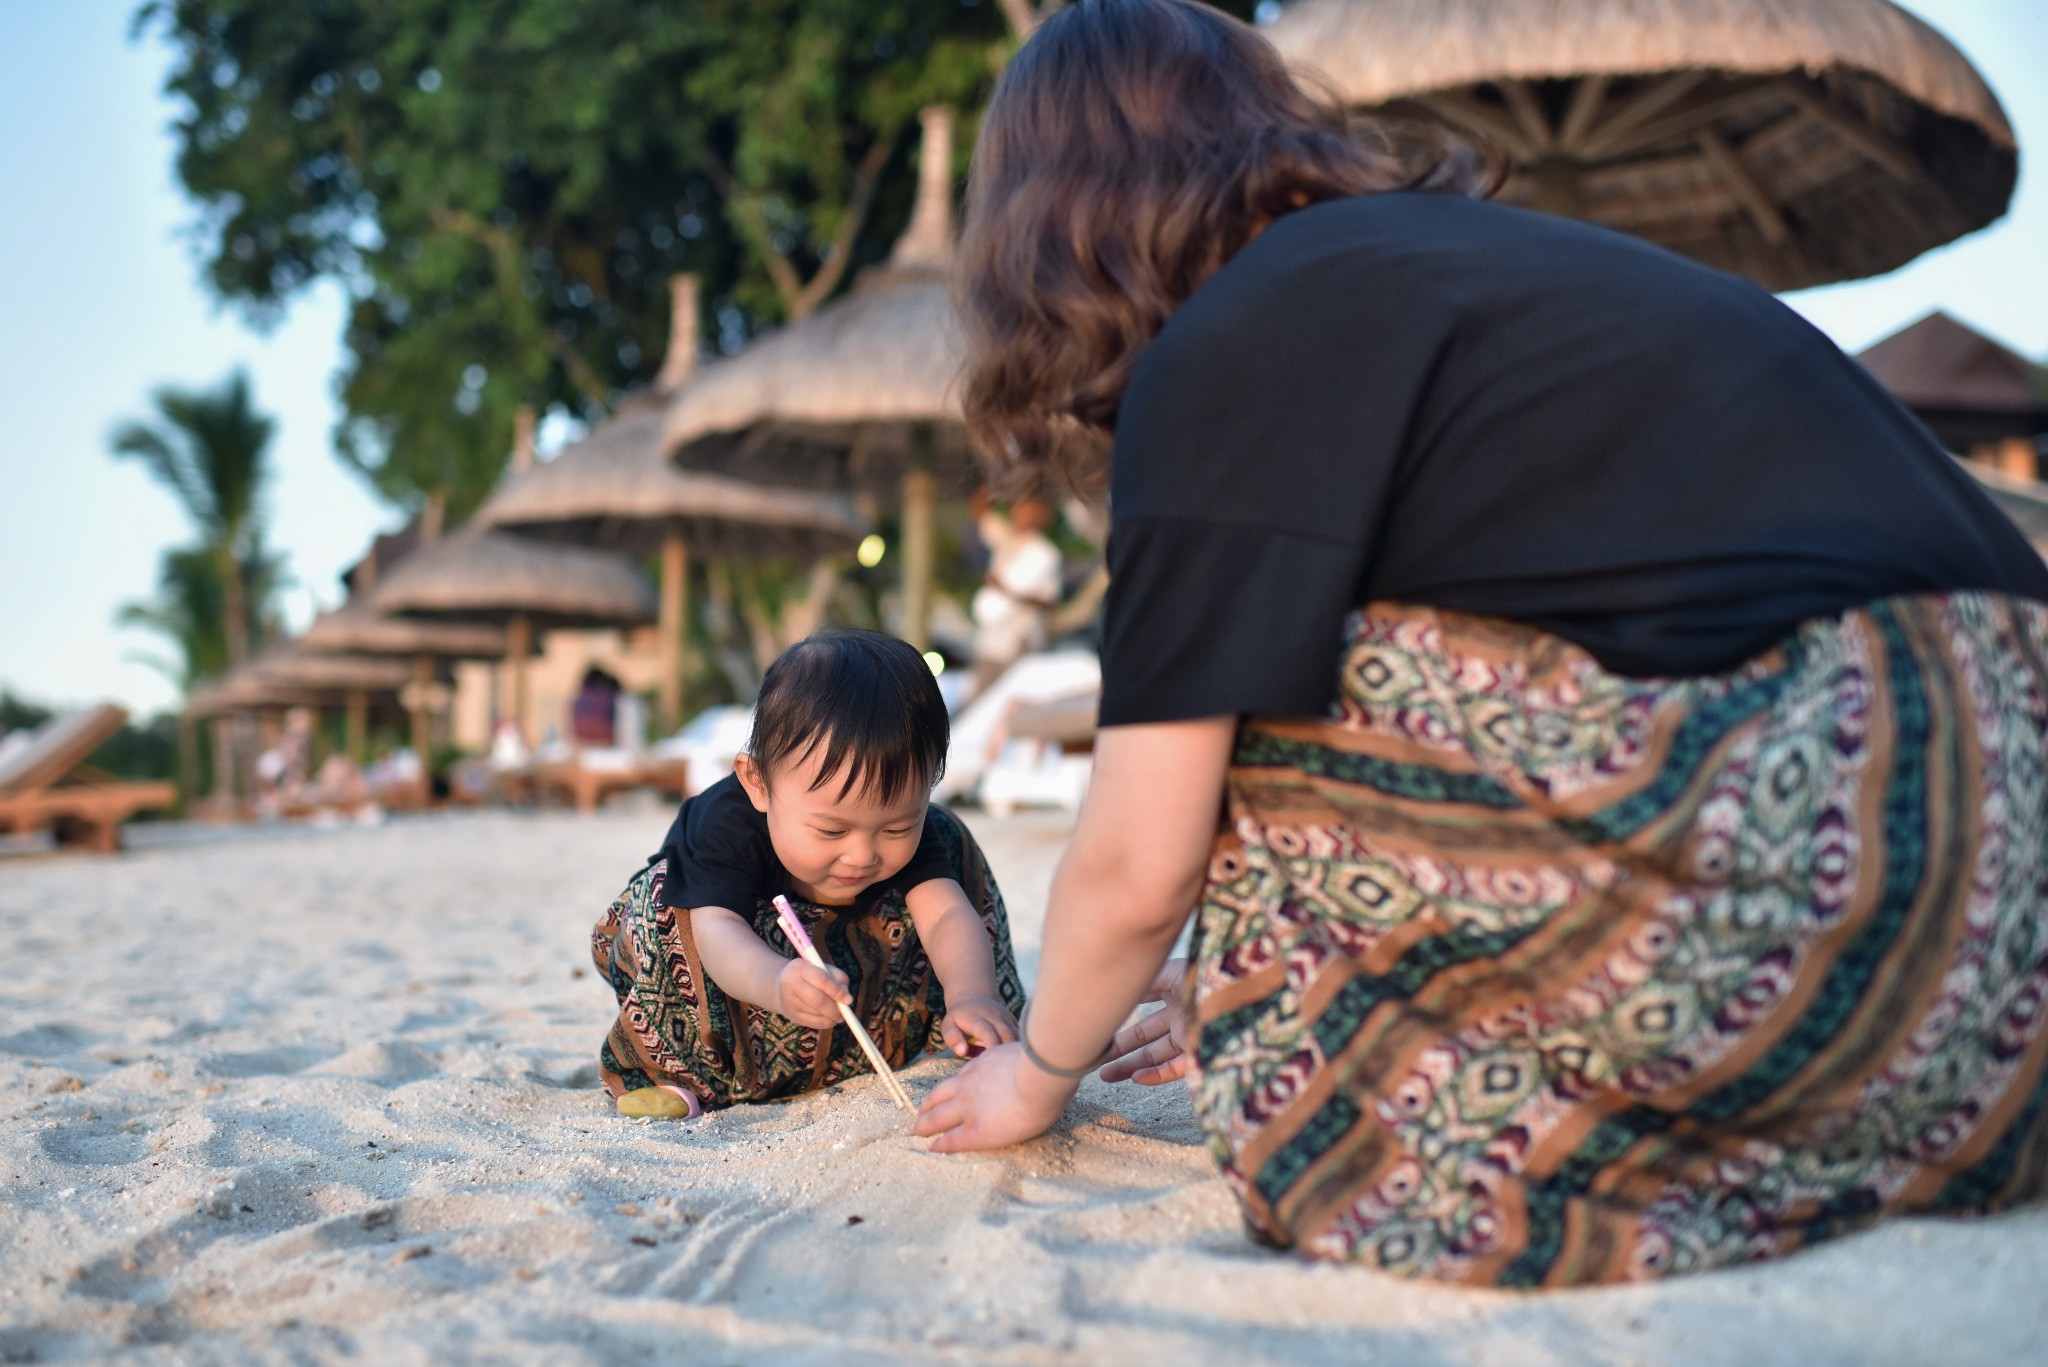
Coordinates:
(1517, 972)
(676, 1028)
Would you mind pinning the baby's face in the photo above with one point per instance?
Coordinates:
(834, 847)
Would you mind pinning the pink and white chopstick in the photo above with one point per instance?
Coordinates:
(800, 940)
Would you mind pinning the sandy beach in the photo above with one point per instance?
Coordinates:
(324, 1095)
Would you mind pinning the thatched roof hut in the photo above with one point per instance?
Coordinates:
(483, 576)
(288, 675)
(862, 395)
(476, 575)
(1796, 142)
(247, 690)
(840, 400)
(360, 626)
(834, 401)
(294, 667)
(1964, 385)
(616, 490)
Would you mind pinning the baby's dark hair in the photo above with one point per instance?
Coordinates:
(868, 699)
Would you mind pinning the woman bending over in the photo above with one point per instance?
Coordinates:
(1628, 728)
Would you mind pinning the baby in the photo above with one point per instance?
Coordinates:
(830, 806)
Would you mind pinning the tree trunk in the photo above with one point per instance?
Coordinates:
(808, 613)
(234, 603)
(920, 534)
(188, 763)
(675, 627)
(357, 727)
(519, 645)
(722, 619)
(423, 721)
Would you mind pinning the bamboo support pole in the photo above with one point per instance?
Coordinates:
(423, 718)
(675, 626)
(188, 762)
(223, 762)
(920, 535)
(358, 727)
(518, 646)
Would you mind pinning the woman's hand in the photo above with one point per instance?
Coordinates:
(973, 1024)
(1153, 1049)
(999, 1099)
(809, 995)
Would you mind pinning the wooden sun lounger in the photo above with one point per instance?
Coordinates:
(46, 785)
(1067, 722)
(588, 788)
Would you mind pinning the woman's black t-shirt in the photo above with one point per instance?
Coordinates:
(719, 855)
(1439, 401)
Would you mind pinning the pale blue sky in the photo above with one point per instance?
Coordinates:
(103, 303)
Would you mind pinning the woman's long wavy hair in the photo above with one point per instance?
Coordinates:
(1133, 147)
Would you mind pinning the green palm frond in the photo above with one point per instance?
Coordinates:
(210, 448)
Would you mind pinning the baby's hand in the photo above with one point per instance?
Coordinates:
(809, 995)
(973, 1024)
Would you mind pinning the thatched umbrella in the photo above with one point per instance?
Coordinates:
(860, 396)
(352, 678)
(362, 627)
(1796, 142)
(615, 490)
(475, 575)
(245, 690)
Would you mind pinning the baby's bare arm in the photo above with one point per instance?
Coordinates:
(744, 967)
(957, 943)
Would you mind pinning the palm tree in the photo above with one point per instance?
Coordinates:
(211, 449)
(189, 611)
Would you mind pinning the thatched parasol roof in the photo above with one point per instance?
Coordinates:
(361, 626)
(297, 667)
(485, 576)
(252, 687)
(246, 693)
(833, 401)
(1797, 142)
(616, 490)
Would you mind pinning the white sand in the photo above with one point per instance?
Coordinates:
(328, 1095)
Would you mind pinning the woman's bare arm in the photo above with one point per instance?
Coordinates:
(1129, 879)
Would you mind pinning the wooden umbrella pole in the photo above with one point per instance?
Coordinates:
(519, 645)
(223, 763)
(675, 624)
(920, 532)
(423, 716)
(188, 762)
(358, 726)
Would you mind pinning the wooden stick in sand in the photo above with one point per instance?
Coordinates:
(793, 929)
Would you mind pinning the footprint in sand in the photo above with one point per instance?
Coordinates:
(101, 1142)
(272, 1062)
(392, 1062)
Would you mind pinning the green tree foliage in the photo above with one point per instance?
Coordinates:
(504, 186)
(19, 714)
(189, 611)
(211, 449)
